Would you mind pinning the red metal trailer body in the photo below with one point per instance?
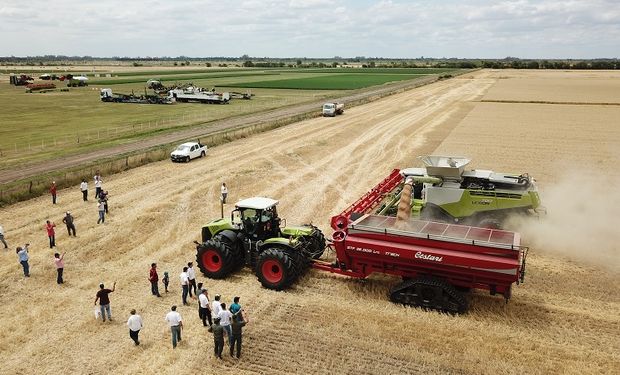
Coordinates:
(437, 261)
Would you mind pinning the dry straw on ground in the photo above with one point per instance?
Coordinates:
(564, 319)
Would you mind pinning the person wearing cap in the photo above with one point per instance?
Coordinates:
(218, 337)
(216, 306)
(166, 280)
(53, 192)
(104, 300)
(204, 311)
(154, 279)
(68, 220)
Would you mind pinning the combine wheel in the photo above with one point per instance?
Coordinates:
(429, 293)
(276, 269)
(215, 258)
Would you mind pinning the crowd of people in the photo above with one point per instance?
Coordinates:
(224, 323)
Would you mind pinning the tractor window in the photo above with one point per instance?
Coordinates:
(249, 213)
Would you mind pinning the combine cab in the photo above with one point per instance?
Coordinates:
(445, 191)
(253, 237)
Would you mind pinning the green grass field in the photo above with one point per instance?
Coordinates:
(39, 126)
(328, 81)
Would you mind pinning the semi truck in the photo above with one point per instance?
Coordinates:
(197, 95)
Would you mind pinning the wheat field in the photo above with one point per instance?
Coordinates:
(564, 319)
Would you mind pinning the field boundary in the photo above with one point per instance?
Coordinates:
(34, 180)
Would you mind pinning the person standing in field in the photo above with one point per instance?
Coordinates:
(51, 233)
(104, 300)
(191, 276)
(176, 325)
(166, 280)
(98, 184)
(184, 285)
(59, 262)
(216, 306)
(101, 210)
(84, 189)
(224, 192)
(22, 254)
(235, 307)
(204, 311)
(103, 196)
(2, 237)
(69, 222)
(154, 279)
(225, 317)
(218, 337)
(135, 325)
(237, 325)
(53, 192)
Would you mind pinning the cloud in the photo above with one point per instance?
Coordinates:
(313, 28)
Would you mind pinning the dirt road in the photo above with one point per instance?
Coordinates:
(324, 324)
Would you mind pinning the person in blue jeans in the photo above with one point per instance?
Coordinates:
(104, 300)
(22, 253)
(176, 325)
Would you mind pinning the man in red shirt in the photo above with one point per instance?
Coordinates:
(154, 279)
(51, 233)
(53, 192)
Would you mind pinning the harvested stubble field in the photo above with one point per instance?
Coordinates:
(564, 319)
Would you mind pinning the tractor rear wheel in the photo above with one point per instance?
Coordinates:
(276, 269)
(215, 258)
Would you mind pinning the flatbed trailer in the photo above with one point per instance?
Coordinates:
(438, 262)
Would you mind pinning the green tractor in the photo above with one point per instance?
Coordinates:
(254, 237)
(444, 191)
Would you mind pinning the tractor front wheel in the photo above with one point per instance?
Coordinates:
(215, 259)
(276, 269)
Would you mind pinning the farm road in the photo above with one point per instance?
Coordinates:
(28, 170)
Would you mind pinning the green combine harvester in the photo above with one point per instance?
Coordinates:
(444, 191)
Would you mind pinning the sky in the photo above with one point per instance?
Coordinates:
(576, 29)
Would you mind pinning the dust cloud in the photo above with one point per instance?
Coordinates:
(582, 221)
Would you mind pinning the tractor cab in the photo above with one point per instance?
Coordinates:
(257, 218)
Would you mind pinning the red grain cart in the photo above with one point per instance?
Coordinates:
(438, 262)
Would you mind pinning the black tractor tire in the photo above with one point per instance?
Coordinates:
(276, 269)
(187, 159)
(317, 243)
(215, 258)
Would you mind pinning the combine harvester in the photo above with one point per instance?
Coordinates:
(438, 262)
(445, 191)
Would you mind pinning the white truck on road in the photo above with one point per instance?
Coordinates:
(188, 151)
(333, 108)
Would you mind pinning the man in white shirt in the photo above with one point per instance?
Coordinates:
(191, 276)
(225, 317)
(176, 325)
(84, 190)
(98, 185)
(203, 310)
(135, 325)
(216, 306)
(184, 284)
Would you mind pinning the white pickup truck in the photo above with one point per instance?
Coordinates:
(188, 151)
